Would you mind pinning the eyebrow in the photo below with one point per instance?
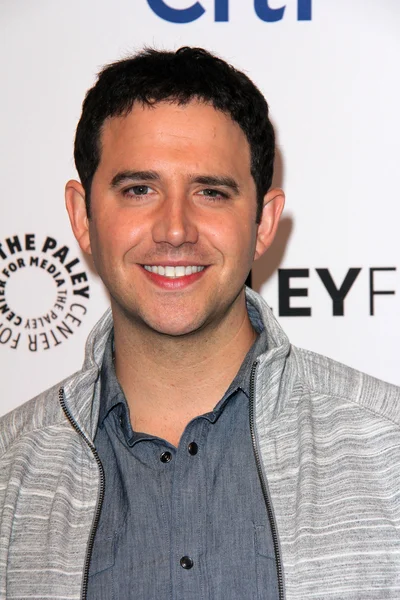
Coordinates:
(134, 176)
(217, 180)
(213, 180)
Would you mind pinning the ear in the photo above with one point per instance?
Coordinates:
(76, 208)
(274, 201)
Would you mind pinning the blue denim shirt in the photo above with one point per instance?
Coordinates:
(185, 523)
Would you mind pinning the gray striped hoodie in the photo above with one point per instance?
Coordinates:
(327, 442)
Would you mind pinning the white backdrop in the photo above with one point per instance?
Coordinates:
(332, 82)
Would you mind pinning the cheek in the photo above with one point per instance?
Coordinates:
(234, 236)
(119, 231)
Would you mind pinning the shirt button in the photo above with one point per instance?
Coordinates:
(193, 448)
(166, 457)
(186, 562)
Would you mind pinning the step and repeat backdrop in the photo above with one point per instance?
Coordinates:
(330, 72)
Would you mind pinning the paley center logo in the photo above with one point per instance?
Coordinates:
(43, 292)
(221, 11)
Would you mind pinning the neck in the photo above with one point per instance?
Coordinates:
(169, 380)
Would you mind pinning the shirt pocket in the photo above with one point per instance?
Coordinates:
(267, 582)
(103, 556)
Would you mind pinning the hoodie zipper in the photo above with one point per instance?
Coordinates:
(100, 496)
(267, 500)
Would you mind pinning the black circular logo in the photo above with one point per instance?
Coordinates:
(44, 291)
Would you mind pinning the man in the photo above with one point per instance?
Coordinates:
(197, 454)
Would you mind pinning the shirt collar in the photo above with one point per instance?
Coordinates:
(111, 391)
(242, 378)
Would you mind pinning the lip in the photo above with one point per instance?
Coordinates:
(171, 263)
(169, 283)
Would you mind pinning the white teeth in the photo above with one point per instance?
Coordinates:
(173, 272)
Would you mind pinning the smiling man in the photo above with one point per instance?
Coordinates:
(197, 454)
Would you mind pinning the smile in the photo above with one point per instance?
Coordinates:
(173, 272)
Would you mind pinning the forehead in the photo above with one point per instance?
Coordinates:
(195, 131)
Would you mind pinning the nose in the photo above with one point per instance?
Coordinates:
(175, 222)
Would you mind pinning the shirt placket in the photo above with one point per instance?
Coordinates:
(188, 516)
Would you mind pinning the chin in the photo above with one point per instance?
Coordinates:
(174, 330)
(176, 324)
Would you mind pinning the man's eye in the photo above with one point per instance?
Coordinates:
(210, 193)
(138, 190)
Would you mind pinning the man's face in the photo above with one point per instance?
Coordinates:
(173, 228)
